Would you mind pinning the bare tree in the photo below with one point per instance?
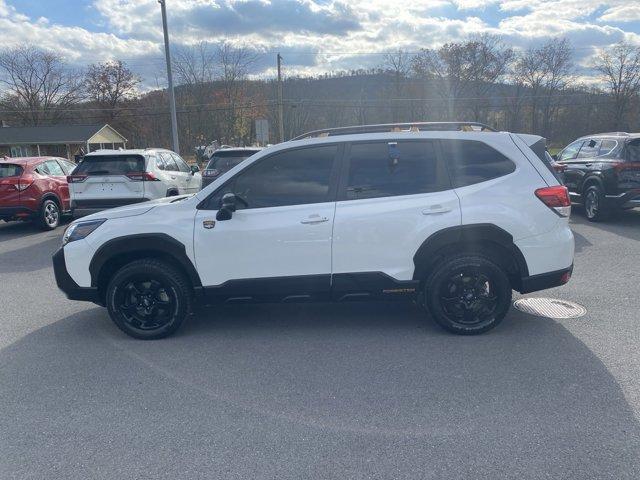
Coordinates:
(619, 67)
(234, 63)
(399, 64)
(465, 71)
(109, 85)
(195, 64)
(545, 71)
(38, 86)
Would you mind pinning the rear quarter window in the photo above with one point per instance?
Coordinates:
(110, 165)
(472, 162)
(10, 170)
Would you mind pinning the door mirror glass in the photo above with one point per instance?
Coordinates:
(194, 169)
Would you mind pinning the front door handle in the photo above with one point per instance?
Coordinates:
(435, 209)
(312, 220)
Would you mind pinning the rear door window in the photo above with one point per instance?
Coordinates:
(110, 165)
(10, 170)
(54, 168)
(589, 149)
(607, 147)
(471, 162)
(633, 151)
(387, 169)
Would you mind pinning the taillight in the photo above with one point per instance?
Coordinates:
(556, 198)
(24, 182)
(76, 178)
(142, 177)
(559, 168)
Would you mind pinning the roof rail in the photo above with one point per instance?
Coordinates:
(613, 134)
(399, 127)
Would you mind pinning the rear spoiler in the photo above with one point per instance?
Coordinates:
(535, 142)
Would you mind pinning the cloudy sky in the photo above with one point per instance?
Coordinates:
(313, 35)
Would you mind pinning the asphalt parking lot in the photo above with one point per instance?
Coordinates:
(323, 391)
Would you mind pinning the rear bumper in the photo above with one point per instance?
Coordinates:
(80, 208)
(543, 281)
(68, 285)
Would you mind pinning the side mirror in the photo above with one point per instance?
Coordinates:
(194, 169)
(227, 208)
(555, 156)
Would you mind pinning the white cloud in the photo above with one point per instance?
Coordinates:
(621, 13)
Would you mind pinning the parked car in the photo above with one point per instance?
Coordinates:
(451, 219)
(34, 188)
(602, 171)
(113, 178)
(223, 160)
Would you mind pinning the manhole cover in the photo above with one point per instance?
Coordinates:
(550, 307)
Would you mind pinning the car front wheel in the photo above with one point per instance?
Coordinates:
(148, 299)
(468, 294)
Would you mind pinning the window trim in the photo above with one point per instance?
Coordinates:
(333, 176)
(346, 165)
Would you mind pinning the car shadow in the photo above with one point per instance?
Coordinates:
(625, 223)
(13, 230)
(30, 258)
(315, 382)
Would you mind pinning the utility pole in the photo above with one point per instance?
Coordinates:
(172, 98)
(280, 101)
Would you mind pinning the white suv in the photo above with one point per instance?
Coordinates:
(452, 219)
(112, 178)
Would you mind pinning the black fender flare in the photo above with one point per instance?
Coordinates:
(144, 244)
(471, 235)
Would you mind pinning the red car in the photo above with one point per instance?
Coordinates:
(34, 188)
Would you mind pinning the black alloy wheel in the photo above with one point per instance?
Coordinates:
(468, 294)
(148, 299)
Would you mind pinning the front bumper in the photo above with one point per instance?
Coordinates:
(82, 208)
(68, 285)
(543, 281)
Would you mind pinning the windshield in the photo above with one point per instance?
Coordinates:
(10, 170)
(110, 165)
(228, 160)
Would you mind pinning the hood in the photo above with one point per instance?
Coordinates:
(134, 209)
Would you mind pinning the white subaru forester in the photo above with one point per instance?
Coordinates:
(452, 216)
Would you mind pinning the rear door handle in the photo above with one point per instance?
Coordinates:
(312, 220)
(435, 209)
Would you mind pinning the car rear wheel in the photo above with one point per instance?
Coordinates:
(49, 215)
(468, 294)
(148, 299)
(595, 207)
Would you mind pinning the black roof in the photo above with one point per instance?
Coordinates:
(48, 134)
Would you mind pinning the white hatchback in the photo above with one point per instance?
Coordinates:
(113, 178)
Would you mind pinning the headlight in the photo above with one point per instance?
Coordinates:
(80, 230)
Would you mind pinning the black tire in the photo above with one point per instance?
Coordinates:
(172, 193)
(467, 294)
(49, 215)
(595, 204)
(148, 299)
